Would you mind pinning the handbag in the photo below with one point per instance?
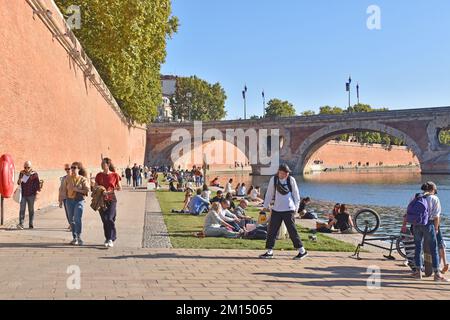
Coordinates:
(17, 197)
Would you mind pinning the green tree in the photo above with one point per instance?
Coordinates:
(255, 117)
(199, 99)
(331, 110)
(444, 136)
(278, 108)
(308, 113)
(126, 41)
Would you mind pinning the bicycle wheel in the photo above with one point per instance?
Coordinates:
(401, 247)
(367, 218)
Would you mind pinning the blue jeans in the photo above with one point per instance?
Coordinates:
(75, 212)
(200, 209)
(23, 203)
(67, 211)
(423, 234)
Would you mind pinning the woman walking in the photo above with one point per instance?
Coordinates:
(110, 180)
(62, 197)
(77, 188)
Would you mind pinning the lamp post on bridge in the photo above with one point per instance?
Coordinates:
(189, 96)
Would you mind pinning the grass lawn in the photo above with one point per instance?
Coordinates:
(182, 230)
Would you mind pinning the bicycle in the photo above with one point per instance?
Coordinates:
(367, 222)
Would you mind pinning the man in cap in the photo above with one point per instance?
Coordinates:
(283, 192)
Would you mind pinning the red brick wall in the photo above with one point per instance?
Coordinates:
(334, 155)
(49, 113)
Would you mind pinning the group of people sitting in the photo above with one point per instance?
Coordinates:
(253, 194)
(184, 179)
(223, 217)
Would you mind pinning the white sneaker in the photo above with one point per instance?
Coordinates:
(111, 244)
(106, 244)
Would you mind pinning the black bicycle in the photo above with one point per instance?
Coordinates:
(367, 222)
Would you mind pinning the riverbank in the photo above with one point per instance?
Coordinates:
(183, 228)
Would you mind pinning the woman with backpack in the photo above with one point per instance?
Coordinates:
(424, 213)
(110, 180)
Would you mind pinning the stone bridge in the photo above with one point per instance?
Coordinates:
(301, 137)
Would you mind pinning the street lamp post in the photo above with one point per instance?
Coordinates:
(189, 96)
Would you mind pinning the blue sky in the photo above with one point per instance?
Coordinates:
(303, 51)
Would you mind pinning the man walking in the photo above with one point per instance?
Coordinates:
(128, 175)
(136, 173)
(283, 191)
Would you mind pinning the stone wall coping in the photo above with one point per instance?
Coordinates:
(392, 115)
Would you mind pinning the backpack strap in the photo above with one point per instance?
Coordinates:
(275, 183)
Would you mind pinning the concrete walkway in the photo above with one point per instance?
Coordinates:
(38, 264)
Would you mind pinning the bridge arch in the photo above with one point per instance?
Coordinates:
(319, 138)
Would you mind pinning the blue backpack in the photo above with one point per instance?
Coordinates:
(418, 212)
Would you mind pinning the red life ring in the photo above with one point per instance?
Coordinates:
(7, 176)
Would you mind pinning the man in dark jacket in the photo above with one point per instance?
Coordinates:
(31, 186)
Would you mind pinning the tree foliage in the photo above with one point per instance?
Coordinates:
(363, 137)
(444, 136)
(202, 100)
(279, 108)
(126, 41)
(308, 113)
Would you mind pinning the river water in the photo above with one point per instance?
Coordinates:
(388, 188)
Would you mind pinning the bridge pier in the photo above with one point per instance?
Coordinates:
(440, 165)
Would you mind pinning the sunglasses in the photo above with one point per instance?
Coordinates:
(67, 169)
(74, 168)
(26, 167)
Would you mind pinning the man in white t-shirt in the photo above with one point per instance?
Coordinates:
(428, 233)
(283, 191)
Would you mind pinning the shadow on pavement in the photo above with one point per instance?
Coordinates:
(345, 277)
(49, 246)
(176, 256)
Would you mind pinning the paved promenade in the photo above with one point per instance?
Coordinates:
(34, 265)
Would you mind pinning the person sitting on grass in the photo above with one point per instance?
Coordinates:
(215, 226)
(215, 182)
(198, 205)
(242, 191)
(218, 197)
(240, 213)
(187, 200)
(172, 187)
(229, 187)
(229, 197)
(343, 221)
(304, 213)
(254, 195)
(335, 212)
(206, 193)
(229, 217)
